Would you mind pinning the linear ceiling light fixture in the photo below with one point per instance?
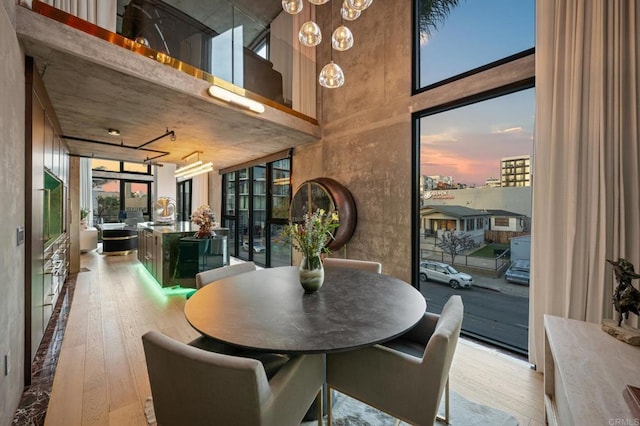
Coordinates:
(186, 169)
(205, 168)
(193, 169)
(236, 99)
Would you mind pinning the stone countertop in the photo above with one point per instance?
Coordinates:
(176, 228)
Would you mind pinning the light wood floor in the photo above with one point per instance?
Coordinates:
(101, 378)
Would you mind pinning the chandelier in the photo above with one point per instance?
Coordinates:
(310, 34)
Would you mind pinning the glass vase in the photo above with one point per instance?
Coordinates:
(311, 273)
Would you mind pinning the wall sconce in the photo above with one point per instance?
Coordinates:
(236, 99)
(193, 169)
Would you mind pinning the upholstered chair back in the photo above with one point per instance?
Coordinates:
(365, 265)
(206, 277)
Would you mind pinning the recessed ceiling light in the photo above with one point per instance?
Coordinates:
(114, 132)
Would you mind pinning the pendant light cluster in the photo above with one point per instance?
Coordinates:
(310, 35)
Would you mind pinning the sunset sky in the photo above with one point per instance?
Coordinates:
(467, 143)
(114, 186)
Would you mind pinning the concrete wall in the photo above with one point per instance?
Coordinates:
(165, 182)
(12, 183)
(367, 128)
(366, 134)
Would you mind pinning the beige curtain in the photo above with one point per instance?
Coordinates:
(304, 66)
(99, 12)
(86, 188)
(296, 63)
(585, 194)
(200, 191)
(281, 51)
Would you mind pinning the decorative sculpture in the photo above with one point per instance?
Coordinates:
(626, 298)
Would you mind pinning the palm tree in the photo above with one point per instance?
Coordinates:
(432, 13)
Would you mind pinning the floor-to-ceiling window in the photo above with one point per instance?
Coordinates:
(280, 199)
(184, 193)
(120, 189)
(473, 163)
(255, 209)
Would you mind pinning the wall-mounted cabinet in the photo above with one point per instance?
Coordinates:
(46, 217)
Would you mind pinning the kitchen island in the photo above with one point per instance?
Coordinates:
(173, 256)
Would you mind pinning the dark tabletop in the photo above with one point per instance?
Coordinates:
(268, 310)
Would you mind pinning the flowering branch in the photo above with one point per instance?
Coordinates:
(311, 237)
(204, 218)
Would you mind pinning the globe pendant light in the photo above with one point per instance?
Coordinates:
(310, 34)
(347, 13)
(292, 7)
(331, 76)
(342, 38)
(318, 2)
(359, 4)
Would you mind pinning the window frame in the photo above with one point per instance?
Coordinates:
(415, 69)
(269, 219)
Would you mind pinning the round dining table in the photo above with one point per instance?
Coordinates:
(268, 310)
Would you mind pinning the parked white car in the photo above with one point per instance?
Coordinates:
(441, 272)
(257, 247)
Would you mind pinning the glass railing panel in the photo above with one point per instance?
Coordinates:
(229, 43)
(213, 38)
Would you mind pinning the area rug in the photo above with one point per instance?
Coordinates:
(350, 412)
(462, 412)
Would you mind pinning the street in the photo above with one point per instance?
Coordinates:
(500, 317)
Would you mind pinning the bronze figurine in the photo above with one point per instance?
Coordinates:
(626, 298)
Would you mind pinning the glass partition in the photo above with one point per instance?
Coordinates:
(253, 49)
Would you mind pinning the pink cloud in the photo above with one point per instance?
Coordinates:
(471, 158)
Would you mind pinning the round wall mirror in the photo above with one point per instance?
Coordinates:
(330, 195)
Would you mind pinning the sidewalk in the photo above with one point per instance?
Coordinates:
(500, 285)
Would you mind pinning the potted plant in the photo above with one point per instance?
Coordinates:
(310, 238)
(205, 219)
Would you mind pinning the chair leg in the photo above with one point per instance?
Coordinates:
(329, 401)
(319, 405)
(445, 419)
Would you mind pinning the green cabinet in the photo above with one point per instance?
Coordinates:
(173, 256)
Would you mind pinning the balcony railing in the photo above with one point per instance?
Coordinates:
(211, 41)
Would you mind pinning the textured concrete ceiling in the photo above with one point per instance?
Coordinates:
(94, 86)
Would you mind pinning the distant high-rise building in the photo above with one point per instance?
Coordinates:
(515, 171)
